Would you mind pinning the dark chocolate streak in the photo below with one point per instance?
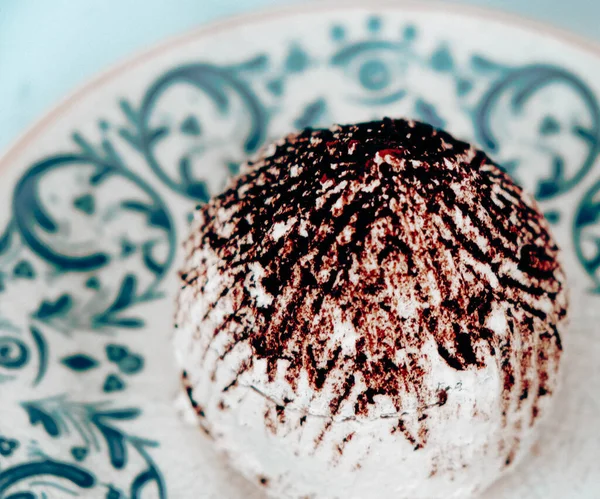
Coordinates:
(197, 408)
(357, 254)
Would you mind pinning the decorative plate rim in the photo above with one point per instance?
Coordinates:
(137, 58)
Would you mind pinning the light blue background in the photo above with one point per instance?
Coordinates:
(49, 47)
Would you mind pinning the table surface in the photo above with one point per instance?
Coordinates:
(50, 47)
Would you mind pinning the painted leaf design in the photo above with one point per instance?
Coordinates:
(442, 60)
(79, 362)
(36, 416)
(122, 414)
(113, 384)
(151, 264)
(115, 441)
(55, 308)
(126, 293)
(131, 364)
(115, 352)
(126, 322)
(311, 114)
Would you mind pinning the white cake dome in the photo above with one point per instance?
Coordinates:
(371, 311)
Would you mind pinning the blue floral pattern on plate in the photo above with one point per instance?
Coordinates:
(94, 227)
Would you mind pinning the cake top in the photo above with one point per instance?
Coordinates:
(354, 259)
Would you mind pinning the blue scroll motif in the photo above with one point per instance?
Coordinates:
(220, 87)
(17, 474)
(17, 352)
(510, 95)
(53, 239)
(37, 226)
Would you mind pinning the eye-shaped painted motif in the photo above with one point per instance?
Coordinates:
(376, 67)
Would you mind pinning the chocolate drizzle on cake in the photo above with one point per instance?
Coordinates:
(412, 239)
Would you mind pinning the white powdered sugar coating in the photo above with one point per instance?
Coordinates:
(371, 311)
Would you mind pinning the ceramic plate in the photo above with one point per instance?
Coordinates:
(96, 198)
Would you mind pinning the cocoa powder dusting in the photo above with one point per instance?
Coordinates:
(195, 406)
(188, 391)
(410, 237)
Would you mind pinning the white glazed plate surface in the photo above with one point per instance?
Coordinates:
(95, 200)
